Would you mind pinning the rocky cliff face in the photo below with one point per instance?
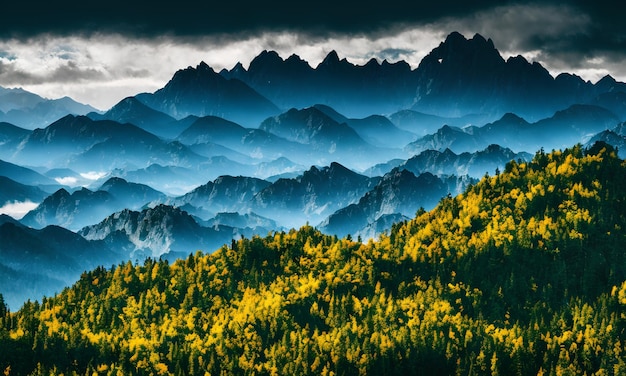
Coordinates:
(156, 232)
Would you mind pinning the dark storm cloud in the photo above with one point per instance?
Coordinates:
(192, 17)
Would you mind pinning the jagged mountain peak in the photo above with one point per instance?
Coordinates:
(496, 149)
(113, 181)
(333, 172)
(448, 129)
(204, 67)
(606, 80)
(332, 62)
(190, 74)
(586, 110)
(609, 84)
(457, 39)
(331, 58)
(456, 49)
(59, 194)
(397, 175)
(312, 115)
(201, 91)
(511, 117)
(264, 59)
(517, 60)
(295, 59)
(238, 68)
(372, 63)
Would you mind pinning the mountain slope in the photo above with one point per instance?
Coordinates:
(12, 192)
(72, 135)
(10, 137)
(24, 175)
(464, 76)
(42, 262)
(100, 145)
(399, 192)
(200, 91)
(572, 125)
(131, 110)
(29, 110)
(329, 140)
(85, 207)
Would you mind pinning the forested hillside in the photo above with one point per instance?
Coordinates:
(522, 274)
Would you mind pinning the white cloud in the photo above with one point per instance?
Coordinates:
(93, 175)
(18, 209)
(68, 180)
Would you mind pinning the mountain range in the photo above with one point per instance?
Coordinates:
(30, 111)
(213, 156)
(458, 78)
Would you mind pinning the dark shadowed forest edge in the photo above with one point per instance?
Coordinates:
(524, 273)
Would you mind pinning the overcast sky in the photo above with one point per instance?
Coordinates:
(99, 52)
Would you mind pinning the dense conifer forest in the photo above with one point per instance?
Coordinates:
(524, 273)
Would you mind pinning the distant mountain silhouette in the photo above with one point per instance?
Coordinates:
(311, 196)
(475, 164)
(329, 139)
(173, 180)
(247, 224)
(374, 129)
(131, 195)
(12, 191)
(71, 210)
(131, 110)
(208, 134)
(424, 124)
(86, 207)
(29, 110)
(25, 175)
(38, 262)
(565, 127)
(200, 91)
(88, 145)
